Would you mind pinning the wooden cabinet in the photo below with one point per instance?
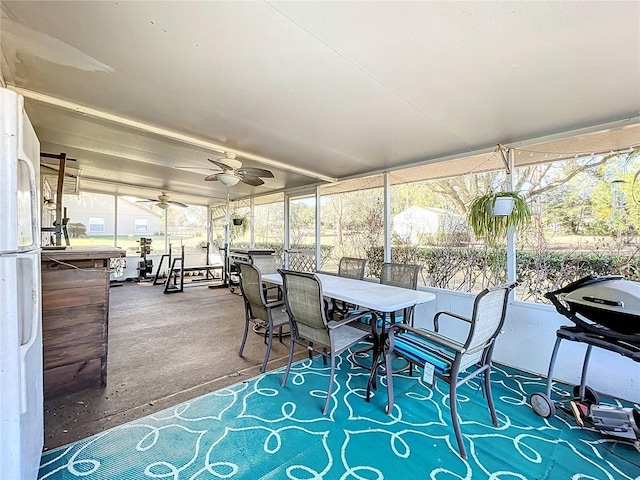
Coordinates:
(75, 318)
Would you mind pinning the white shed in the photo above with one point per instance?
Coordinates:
(415, 221)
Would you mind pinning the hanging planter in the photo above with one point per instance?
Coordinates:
(241, 222)
(500, 206)
(491, 215)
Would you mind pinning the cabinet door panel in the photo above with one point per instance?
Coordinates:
(73, 297)
(72, 378)
(81, 350)
(71, 278)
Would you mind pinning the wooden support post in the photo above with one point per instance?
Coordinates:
(60, 186)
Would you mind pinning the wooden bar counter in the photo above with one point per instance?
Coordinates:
(75, 317)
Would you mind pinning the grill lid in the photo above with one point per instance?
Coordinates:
(610, 294)
(608, 306)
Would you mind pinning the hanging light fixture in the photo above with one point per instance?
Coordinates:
(228, 179)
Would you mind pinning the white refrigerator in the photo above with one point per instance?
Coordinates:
(21, 398)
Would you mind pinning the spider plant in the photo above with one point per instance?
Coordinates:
(486, 224)
(241, 222)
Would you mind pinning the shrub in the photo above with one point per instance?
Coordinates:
(472, 269)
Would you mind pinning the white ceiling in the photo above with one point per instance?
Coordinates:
(313, 91)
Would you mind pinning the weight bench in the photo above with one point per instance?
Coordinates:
(156, 278)
(171, 282)
(172, 287)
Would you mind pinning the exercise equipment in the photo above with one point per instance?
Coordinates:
(59, 227)
(156, 278)
(178, 270)
(145, 265)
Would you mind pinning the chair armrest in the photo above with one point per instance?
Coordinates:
(431, 336)
(267, 289)
(333, 324)
(277, 303)
(436, 326)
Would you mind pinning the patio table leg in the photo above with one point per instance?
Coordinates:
(377, 353)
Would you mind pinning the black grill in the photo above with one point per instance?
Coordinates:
(607, 305)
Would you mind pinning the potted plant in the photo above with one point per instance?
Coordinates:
(491, 215)
(240, 221)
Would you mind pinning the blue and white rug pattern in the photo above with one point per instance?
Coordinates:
(259, 430)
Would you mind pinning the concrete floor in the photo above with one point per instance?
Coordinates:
(164, 349)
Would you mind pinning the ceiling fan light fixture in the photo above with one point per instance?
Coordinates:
(162, 205)
(228, 179)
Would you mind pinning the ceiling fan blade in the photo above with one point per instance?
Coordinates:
(177, 204)
(255, 172)
(148, 200)
(185, 167)
(251, 180)
(220, 165)
(211, 178)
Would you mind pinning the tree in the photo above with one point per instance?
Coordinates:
(76, 229)
(567, 210)
(568, 206)
(531, 181)
(409, 194)
(302, 224)
(615, 211)
(269, 223)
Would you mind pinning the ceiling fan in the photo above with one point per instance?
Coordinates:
(229, 171)
(164, 201)
(232, 172)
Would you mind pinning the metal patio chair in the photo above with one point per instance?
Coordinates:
(267, 315)
(269, 264)
(397, 275)
(403, 276)
(310, 325)
(451, 358)
(348, 267)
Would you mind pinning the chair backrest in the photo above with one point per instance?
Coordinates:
(400, 275)
(489, 311)
(267, 263)
(305, 305)
(352, 267)
(251, 288)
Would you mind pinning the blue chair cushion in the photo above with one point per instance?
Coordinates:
(420, 351)
(366, 319)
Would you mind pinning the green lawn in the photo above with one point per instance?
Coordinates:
(130, 242)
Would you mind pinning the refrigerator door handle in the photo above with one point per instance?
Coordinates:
(35, 202)
(34, 312)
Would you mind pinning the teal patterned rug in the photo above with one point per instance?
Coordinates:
(258, 430)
